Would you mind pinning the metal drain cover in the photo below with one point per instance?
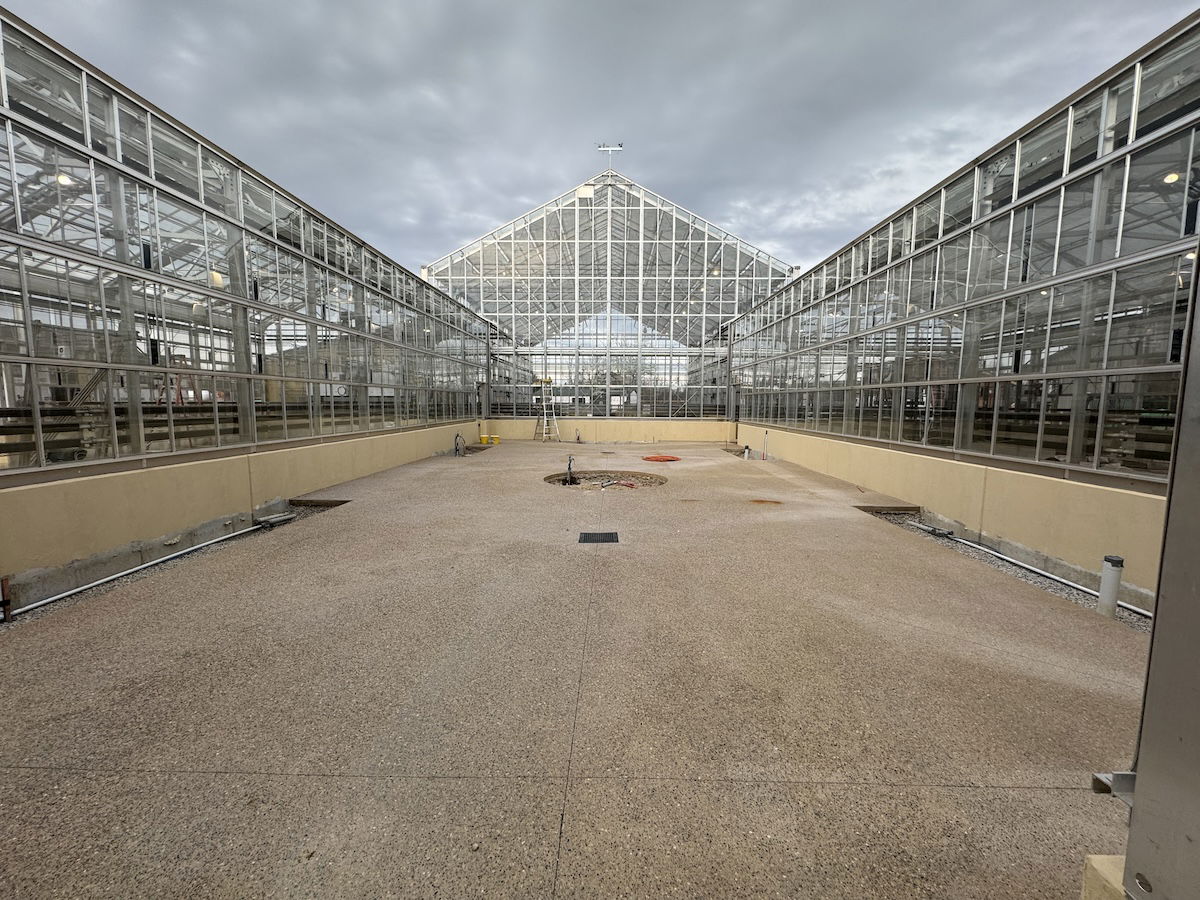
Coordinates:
(598, 537)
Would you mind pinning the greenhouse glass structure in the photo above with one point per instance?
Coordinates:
(614, 298)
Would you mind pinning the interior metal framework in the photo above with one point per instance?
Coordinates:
(1032, 306)
(614, 298)
(158, 297)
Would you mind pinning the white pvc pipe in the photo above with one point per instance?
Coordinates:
(1024, 565)
(154, 562)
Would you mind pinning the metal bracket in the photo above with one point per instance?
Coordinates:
(1119, 784)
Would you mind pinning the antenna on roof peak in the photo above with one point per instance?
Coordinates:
(610, 149)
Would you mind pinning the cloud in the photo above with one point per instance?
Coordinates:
(422, 125)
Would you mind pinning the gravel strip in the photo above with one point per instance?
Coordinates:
(905, 521)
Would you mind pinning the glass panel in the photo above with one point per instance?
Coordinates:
(917, 346)
(1034, 240)
(1042, 154)
(269, 419)
(176, 159)
(192, 402)
(232, 396)
(952, 271)
(181, 235)
(220, 183)
(943, 410)
(135, 334)
(928, 218)
(135, 142)
(257, 209)
(1149, 314)
(66, 308)
(1078, 321)
(139, 404)
(946, 339)
(1072, 416)
(55, 189)
(75, 414)
(18, 447)
(979, 404)
(1017, 418)
(299, 399)
(12, 310)
(1101, 122)
(959, 203)
(901, 235)
(42, 85)
(140, 239)
(1170, 84)
(996, 181)
(915, 414)
(981, 340)
(102, 118)
(1139, 422)
(922, 283)
(287, 221)
(108, 208)
(1162, 195)
(989, 257)
(880, 246)
(1091, 212)
(226, 261)
(1023, 340)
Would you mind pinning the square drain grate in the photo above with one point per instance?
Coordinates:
(598, 537)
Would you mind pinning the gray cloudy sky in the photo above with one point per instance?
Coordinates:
(423, 124)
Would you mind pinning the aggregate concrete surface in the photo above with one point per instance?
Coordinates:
(434, 690)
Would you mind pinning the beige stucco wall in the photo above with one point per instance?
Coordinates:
(1067, 521)
(605, 430)
(55, 523)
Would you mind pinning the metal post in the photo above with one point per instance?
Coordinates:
(1162, 859)
(1110, 586)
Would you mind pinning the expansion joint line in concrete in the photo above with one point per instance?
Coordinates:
(681, 779)
(587, 630)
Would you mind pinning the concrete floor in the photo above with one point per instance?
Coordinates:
(434, 690)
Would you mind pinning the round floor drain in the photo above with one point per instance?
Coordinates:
(594, 480)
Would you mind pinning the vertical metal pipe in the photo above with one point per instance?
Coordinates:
(1110, 585)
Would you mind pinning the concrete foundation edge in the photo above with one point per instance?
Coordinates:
(1102, 878)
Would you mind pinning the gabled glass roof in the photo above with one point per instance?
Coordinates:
(609, 245)
(607, 189)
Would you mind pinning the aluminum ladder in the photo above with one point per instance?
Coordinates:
(548, 426)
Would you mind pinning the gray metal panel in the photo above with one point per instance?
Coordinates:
(1163, 855)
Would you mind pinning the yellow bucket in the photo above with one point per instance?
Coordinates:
(495, 438)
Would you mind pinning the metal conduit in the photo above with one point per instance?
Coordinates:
(949, 535)
(154, 562)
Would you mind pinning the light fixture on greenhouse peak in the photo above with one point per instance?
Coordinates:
(1171, 178)
(64, 179)
(610, 149)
